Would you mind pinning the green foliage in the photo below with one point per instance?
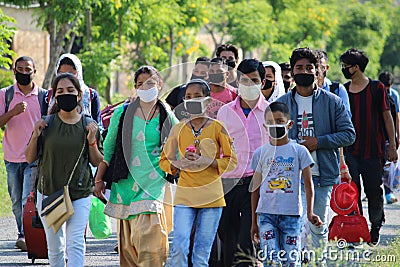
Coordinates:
(366, 27)
(389, 58)
(5, 204)
(244, 28)
(6, 35)
(96, 62)
(6, 78)
(125, 34)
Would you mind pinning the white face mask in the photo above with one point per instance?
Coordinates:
(148, 95)
(196, 106)
(277, 131)
(251, 92)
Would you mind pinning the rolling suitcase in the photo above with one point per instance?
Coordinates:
(35, 237)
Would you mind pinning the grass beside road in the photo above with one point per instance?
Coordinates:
(5, 202)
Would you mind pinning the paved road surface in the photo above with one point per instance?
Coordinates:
(100, 252)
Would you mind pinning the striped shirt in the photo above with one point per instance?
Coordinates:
(367, 107)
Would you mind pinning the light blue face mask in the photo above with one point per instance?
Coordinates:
(148, 95)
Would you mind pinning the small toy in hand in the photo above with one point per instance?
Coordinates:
(191, 148)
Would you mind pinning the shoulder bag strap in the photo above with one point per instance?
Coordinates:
(76, 163)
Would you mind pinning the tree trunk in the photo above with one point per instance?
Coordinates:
(89, 26)
(107, 92)
(56, 46)
(68, 47)
(185, 58)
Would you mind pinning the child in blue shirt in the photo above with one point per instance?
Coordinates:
(276, 199)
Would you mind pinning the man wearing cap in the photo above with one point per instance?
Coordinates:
(243, 119)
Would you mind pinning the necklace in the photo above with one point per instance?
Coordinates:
(147, 120)
(198, 132)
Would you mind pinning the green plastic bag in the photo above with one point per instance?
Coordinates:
(99, 223)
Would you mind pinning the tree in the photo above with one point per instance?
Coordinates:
(58, 18)
(365, 26)
(6, 35)
(389, 58)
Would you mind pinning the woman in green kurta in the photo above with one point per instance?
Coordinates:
(138, 183)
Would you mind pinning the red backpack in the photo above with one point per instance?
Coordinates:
(106, 114)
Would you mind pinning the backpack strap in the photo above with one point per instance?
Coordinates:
(9, 96)
(86, 119)
(41, 93)
(49, 121)
(90, 94)
(334, 88)
(49, 94)
(347, 86)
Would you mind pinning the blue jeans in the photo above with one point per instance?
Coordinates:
(206, 221)
(18, 181)
(69, 240)
(322, 197)
(279, 239)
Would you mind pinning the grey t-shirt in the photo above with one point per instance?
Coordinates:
(280, 168)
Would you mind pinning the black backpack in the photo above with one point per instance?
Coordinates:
(10, 95)
(334, 88)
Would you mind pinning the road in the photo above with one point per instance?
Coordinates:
(100, 252)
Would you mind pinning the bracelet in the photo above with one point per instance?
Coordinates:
(94, 143)
(98, 181)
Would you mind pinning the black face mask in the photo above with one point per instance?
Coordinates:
(268, 84)
(23, 79)
(67, 102)
(287, 85)
(231, 64)
(277, 132)
(346, 72)
(216, 78)
(304, 79)
(198, 77)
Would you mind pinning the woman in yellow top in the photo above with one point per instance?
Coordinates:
(205, 152)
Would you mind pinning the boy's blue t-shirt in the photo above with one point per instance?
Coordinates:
(280, 168)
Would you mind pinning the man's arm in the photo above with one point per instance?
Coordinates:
(344, 134)
(255, 196)
(389, 125)
(19, 108)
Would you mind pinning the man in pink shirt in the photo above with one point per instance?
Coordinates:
(217, 76)
(221, 92)
(20, 116)
(243, 118)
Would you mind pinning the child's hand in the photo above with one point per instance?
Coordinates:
(191, 155)
(314, 219)
(255, 234)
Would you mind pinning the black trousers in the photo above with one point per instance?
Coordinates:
(371, 171)
(235, 226)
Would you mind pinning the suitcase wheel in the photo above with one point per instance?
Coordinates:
(32, 256)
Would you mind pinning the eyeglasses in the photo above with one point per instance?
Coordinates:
(345, 66)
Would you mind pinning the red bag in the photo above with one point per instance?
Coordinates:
(35, 236)
(344, 197)
(107, 112)
(352, 228)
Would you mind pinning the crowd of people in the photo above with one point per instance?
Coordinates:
(253, 149)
